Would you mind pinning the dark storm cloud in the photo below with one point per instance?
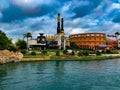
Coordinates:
(83, 10)
(16, 13)
(117, 19)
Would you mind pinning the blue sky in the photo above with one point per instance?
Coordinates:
(21, 16)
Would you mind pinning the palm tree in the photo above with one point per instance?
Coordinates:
(27, 36)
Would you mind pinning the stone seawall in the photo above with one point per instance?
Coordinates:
(9, 56)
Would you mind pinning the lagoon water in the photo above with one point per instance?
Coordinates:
(61, 75)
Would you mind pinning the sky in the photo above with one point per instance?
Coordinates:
(18, 17)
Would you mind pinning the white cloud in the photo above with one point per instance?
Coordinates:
(76, 21)
(31, 3)
(66, 7)
(116, 6)
(78, 30)
(114, 28)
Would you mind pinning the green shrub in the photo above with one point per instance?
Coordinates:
(103, 52)
(108, 51)
(65, 51)
(12, 48)
(57, 53)
(33, 53)
(73, 53)
(80, 53)
(44, 52)
(23, 51)
(85, 53)
(98, 53)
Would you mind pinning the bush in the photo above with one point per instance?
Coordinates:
(58, 53)
(85, 53)
(65, 51)
(23, 51)
(44, 52)
(33, 53)
(103, 52)
(80, 53)
(12, 48)
(98, 53)
(73, 53)
(108, 51)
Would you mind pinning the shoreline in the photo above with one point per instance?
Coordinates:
(65, 58)
(58, 58)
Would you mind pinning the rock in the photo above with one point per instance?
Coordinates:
(9, 56)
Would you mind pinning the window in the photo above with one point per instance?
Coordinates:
(87, 35)
(97, 35)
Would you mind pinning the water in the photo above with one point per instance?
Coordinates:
(61, 75)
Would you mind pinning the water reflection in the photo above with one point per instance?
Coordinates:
(3, 73)
(59, 67)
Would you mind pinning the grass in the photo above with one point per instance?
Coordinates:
(72, 57)
(36, 56)
(52, 55)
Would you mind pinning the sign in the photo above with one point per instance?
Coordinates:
(111, 36)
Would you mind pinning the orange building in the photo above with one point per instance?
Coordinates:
(112, 44)
(89, 40)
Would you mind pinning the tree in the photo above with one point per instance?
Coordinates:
(21, 44)
(73, 45)
(12, 48)
(27, 36)
(4, 41)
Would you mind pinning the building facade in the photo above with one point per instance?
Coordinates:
(39, 43)
(111, 44)
(89, 40)
(56, 41)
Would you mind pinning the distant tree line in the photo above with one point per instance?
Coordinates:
(6, 43)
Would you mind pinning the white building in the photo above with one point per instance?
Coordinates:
(119, 43)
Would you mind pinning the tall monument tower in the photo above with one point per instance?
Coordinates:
(62, 26)
(58, 24)
(60, 33)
